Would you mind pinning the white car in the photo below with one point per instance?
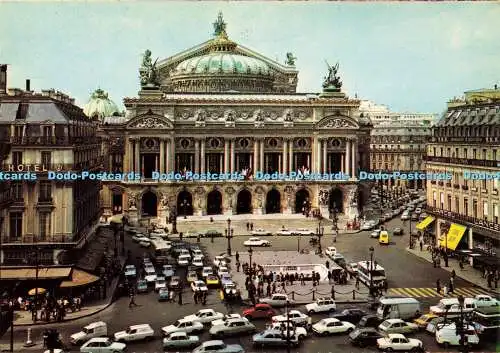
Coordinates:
(183, 260)
(138, 237)
(294, 316)
(447, 335)
(92, 330)
(160, 283)
(304, 231)
(330, 251)
(205, 316)
(206, 271)
(223, 270)
(145, 242)
(375, 233)
(256, 242)
(398, 342)
(184, 325)
(284, 232)
(130, 270)
(300, 332)
(225, 319)
(198, 286)
(150, 276)
(191, 235)
(482, 300)
(276, 300)
(261, 232)
(102, 345)
(135, 333)
(219, 260)
(330, 326)
(197, 253)
(321, 305)
(197, 262)
(405, 216)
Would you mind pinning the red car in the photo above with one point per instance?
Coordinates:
(259, 311)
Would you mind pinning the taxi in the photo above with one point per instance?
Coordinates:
(383, 238)
(213, 281)
(424, 320)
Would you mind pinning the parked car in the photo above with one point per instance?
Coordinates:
(398, 231)
(284, 231)
(205, 316)
(351, 315)
(180, 340)
(321, 305)
(331, 326)
(92, 330)
(398, 342)
(375, 233)
(277, 300)
(330, 251)
(274, 338)
(163, 294)
(231, 327)
(363, 337)
(295, 316)
(199, 285)
(135, 333)
(448, 336)
(304, 231)
(397, 326)
(256, 242)
(261, 232)
(259, 311)
(104, 344)
(183, 325)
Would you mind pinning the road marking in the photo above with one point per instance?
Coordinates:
(431, 292)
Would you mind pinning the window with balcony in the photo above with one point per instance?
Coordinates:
(46, 158)
(16, 225)
(474, 208)
(466, 206)
(19, 131)
(17, 191)
(44, 219)
(17, 158)
(449, 202)
(47, 131)
(45, 194)
(485, 210)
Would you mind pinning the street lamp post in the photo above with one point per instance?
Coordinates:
(36, 257)
(320, 232)
(250, 252)
(461, 331)
(371, 269)
(173, 218)
(229, 234)
(335, 226)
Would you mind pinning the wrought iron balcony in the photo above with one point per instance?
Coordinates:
(458, 217)
(464, 161)
(51, 141)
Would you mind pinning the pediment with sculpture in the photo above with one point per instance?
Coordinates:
(150, 120)
(337, 122)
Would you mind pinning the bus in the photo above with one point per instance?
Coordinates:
(371, 273)
(159, 251)
(486, 320)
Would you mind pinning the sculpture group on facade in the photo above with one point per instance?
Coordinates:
(290, 59)
(332, 80)
(149, 71)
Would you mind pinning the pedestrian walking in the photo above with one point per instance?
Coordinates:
(132, 301)
(237, 256)
(357, 283)
(421, 245)
(274, 287)
(451, 286)
(333, 291)
(445, 290)
(251, 226)
(248, 226)
(438, 287)
(453, 273)
(204, 298)
(180, 297)
(238, 266)
(195, 297)
(329, 277)
(268, 290)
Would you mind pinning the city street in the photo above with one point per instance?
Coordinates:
(403, 271)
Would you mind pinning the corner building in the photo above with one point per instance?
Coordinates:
(220, 107)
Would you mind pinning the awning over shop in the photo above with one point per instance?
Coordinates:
(30, 273)
(453, 237)
(79, 278)
(425, 223)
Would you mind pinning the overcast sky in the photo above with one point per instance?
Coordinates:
(411, 57)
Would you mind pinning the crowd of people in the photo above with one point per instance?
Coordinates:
(49, 308)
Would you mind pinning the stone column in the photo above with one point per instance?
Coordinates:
(261, 157)
(168, 168)
(129, 155)
(325, 159)
(172, 154)
(255, 155)
(342, 162)
(354, 153)
(233, 167)
(284, 158)
(226, 155)
(202, 157)
(318, 156)
(137, 156)
(290, 156)
(162, 156)
(348, 158)
(197, 156)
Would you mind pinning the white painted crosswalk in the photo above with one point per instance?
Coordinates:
(467, 292)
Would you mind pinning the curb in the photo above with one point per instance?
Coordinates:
(458, 275)
(295, 304)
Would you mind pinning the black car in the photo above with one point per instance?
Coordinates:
(350, 315)
(363, 337)
(369, 321)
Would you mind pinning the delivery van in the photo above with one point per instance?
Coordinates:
(383, 238)
(399, 308)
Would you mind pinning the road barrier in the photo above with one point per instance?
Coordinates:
(314, 292)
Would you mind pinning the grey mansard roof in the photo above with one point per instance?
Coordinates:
(472, 115)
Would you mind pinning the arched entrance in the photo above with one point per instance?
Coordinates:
(336, 200)
(214, 202)
(185, 203)
(149, 204)
(302, 201)
(244, 202)
(117, 203)
(273, 201)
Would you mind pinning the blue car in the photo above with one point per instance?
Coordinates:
(142, 286)
(163, 295)
(273, 338)
(217, 346)
(168, 271)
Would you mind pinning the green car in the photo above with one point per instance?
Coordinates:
(180, 340)
(163, 295)
(142, 286)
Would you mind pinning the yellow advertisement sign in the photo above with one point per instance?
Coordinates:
(425, 223)
(454, 236)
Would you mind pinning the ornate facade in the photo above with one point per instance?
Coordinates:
(466, 144)
(221, 108)
(47, 132)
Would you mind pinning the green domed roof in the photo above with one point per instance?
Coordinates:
(222, 62)
(100, 106)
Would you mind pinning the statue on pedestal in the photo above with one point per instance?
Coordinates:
(332, 80)
(290, 59)
(132, 202)
(148, 71)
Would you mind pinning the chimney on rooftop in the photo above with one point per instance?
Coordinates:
(3, 79)
(28, 85)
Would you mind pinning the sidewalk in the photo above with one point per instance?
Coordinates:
(23, 318)
(468, 273)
